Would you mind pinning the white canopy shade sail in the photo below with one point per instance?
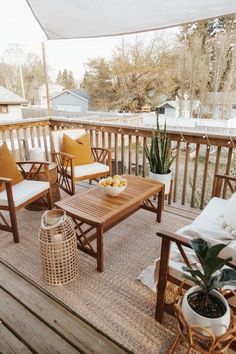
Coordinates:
(63, 19)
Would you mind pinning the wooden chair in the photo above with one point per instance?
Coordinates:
(17, 196)
(169, 270)
(69, 174)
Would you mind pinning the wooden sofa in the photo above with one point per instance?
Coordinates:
(176, 250)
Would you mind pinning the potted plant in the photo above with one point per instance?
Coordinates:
(203, 304)
(159, 156)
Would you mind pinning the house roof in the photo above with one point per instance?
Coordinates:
(9, 97)
(181, 104)
(83, 19)
(75, 92)
(80, 93)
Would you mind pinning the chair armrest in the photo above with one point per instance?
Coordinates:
(31, 169)
(62, 155)
(102, 155)
(219, 179)
(5, 180)
(233, 178)
(172, 237)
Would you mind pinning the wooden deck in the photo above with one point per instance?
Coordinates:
(34, 322)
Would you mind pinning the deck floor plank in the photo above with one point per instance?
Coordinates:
(29, 329)
(10, 344)
(57, 318)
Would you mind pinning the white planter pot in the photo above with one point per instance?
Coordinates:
(217, 326)
(165, 179)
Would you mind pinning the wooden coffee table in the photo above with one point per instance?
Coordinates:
(94, 212)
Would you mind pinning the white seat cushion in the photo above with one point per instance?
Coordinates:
(207, 225)
(23, 191)
(90, 169)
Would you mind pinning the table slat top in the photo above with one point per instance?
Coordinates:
(96, 206)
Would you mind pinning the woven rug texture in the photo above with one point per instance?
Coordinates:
(113, 301)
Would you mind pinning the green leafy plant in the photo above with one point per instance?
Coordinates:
(159, 152)
(211, 275)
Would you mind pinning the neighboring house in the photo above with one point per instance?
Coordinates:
(220, 105)
(179, 108)
(70, 100)
(10, 104)
(53, 89)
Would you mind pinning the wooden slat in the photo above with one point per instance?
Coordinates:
(91, 137)
(195, 172)
(176, 171)
(44, 129)
(144, 157)
(185, 178)
(30, 329)
(137, 155)
(217, 161)
(115, 152)
(38, 131)
(130, 155)
(122, 152)
(26, 145)
(204, 180)
(82, 336)
(20, 144)
(13, 147)
(3, 136)
(10, 344)
(109, 140)
(103, 140)
(227, 170)
(32, 134)
(97, 138)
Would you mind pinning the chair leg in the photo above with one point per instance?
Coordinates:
(14, 226)
(49, 200)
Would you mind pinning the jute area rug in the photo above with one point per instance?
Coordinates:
(114, 301)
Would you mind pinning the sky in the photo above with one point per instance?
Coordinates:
(18, 26)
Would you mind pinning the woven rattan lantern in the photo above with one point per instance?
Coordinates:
(58, 248)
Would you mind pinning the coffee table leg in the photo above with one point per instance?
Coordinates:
(160, 207)
(100, 256)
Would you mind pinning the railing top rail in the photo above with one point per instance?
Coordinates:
(186, 132)
(22, 121)
(175, 132)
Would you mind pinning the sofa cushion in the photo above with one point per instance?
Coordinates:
(79, 148)
(90, 169)
(206, 225)
(8, 167)
(23, 191)
(229, 215)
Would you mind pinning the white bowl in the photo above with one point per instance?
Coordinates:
(112, 191)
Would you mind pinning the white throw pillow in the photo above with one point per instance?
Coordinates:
(229, 216)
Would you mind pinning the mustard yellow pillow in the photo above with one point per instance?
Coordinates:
(80, 148)
(8, 167)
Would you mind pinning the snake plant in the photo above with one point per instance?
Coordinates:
(159, 152)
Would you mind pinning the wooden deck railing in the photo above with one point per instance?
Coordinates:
(198, 157)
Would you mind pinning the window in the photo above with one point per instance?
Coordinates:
(162, 110)
(233, 106)
(3, 108)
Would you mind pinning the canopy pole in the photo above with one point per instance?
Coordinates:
(46, 78)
